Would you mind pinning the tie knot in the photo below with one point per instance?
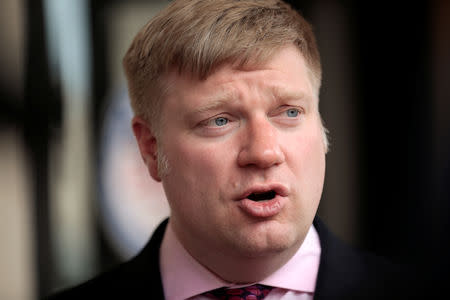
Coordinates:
(252, 292)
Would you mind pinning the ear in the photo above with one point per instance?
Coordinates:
(146, 141)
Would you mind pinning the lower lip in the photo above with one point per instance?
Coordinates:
(262, 209)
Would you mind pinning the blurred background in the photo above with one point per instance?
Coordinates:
(75, 198)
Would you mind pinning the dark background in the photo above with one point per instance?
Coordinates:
(393, 63)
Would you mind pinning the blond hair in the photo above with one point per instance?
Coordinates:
(196, 36)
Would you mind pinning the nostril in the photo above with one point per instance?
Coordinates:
(262, 196)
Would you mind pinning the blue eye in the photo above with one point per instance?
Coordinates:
(221, 121)
(292, 113)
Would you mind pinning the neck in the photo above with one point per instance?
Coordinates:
(238, 268)
(242, 270)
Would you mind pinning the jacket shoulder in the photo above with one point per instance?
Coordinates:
(346, 272)
(130, 280)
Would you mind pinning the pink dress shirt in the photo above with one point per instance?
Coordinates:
(185, 278)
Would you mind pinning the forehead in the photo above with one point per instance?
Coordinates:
(285, 72)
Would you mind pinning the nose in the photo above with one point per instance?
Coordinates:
(260, 145)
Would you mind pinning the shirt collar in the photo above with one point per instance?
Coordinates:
(183, 277)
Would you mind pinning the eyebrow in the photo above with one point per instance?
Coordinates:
(285, 94)
(217, 100)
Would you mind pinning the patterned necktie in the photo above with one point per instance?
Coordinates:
(252, 292)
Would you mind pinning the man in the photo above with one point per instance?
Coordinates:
(225, 95)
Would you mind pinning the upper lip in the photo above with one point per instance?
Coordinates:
(278, 188)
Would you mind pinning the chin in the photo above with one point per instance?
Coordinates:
(270, 243)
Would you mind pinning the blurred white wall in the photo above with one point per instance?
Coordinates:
(16, 211)
(16, 235)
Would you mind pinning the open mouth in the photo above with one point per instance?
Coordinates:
(269, 195)
(263, 200)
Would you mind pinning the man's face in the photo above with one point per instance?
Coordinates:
(246, 156)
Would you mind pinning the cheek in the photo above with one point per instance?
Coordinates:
(200, 159)
(201, 169)
(196, 183)
(307, 160)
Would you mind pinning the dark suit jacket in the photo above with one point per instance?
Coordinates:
(344, 273)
